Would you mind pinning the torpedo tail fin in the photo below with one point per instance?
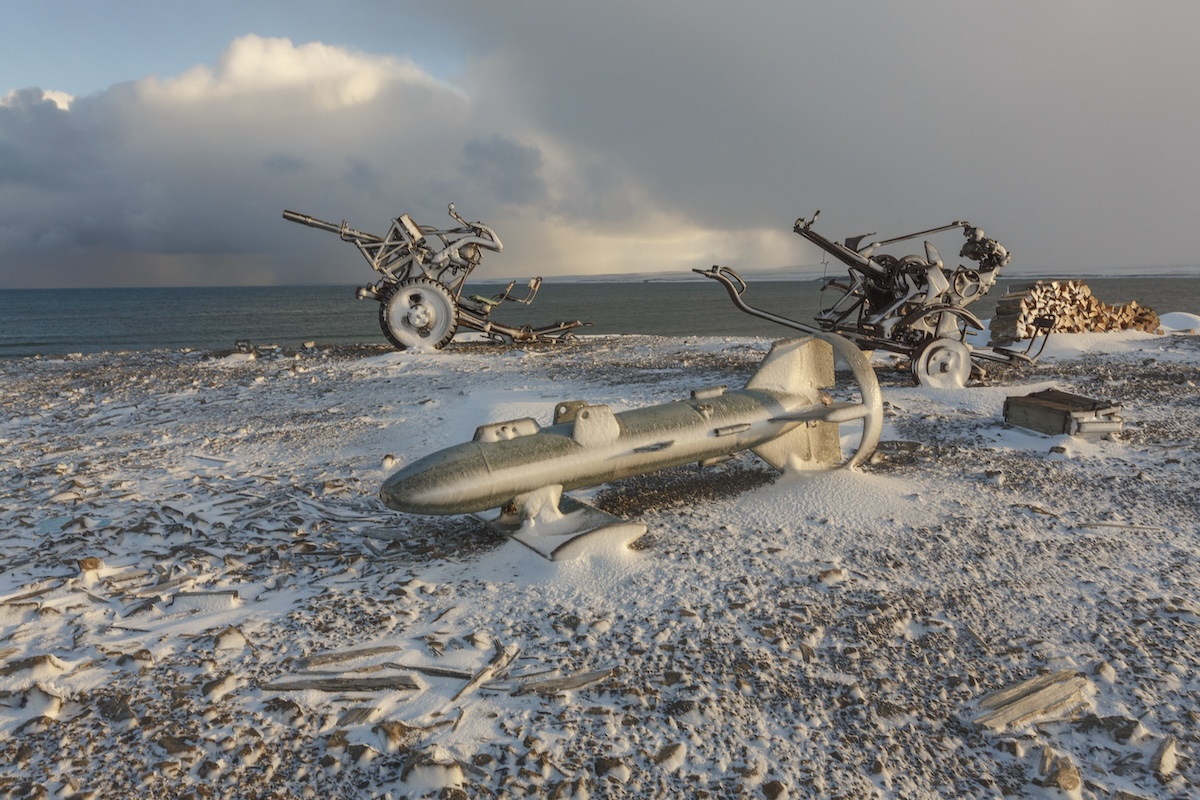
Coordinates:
(799, 369)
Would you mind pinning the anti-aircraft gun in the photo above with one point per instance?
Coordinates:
(912, 305)
(423, 271)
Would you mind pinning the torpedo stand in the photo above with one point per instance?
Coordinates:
(560, 527)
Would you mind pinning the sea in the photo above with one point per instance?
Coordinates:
(57, 322)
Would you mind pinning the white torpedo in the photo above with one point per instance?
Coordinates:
(782, 414)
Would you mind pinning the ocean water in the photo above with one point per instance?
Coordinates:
(62, 321)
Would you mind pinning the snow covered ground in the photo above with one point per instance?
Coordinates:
(200, 593)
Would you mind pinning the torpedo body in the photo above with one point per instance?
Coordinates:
(781, 414)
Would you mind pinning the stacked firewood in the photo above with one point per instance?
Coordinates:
(1074, 309)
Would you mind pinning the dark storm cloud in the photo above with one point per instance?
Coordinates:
(41, 145)
(283, 164)
(632, 136)
(1045, 121)
(509, 169)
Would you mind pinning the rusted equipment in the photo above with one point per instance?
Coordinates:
(423, 271)
(1054, 412)
(781, 414)
(912, 305)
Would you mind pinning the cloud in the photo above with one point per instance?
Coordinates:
(259, 69)
(178, 170)
(39, 146)
(509, 169)
(625, 137)
(21, 96)
(203, 164)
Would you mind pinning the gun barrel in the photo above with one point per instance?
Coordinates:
(343, 230)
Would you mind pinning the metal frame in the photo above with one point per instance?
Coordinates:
(410, 252)
(911, 305)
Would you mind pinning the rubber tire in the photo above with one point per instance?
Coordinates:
(418, 313)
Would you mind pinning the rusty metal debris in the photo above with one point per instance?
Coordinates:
(423, 271)
(1054, 412)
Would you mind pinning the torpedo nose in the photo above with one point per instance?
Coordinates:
(449, 482)
(412, 494)
(418, 492)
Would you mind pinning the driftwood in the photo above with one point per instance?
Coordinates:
(1033, 698)
(1073, 307)
(356, 715)
(436, 672)
(500, 661)
(346, 655)
(343, 684)
(562, 683)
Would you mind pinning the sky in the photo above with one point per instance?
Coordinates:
(146, 143)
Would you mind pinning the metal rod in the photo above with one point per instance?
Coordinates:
(962, 223)
(343, 230)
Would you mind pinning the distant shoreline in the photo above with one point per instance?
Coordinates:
(52, 321)
(762, 276)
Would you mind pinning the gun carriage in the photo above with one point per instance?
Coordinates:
(911, 305)
(423, 273)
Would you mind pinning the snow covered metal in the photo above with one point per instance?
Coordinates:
(782, 415)
(423, 272)
(913, 305)
(1054, 412)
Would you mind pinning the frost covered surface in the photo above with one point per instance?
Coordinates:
(200, 592)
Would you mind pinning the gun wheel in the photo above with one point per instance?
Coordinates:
(942, 363)
(418, 313)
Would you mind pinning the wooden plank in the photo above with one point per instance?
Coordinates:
(500, 661)
(342, 684)
(563, 683)
(346, 655)
(1030, 699)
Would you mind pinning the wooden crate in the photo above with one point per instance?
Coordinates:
(1054, 412)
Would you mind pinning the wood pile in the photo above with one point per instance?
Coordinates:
(1074, 309)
